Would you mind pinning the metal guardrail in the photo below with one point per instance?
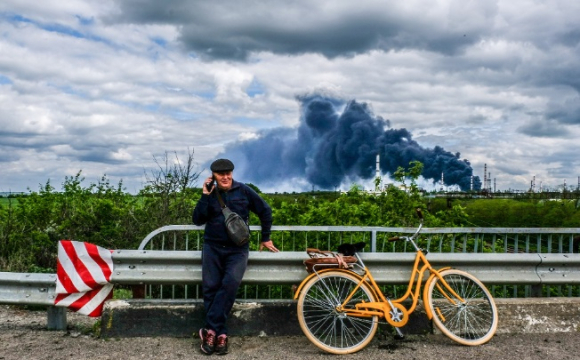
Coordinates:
(495, 255)
(133, 267)
(286, 268)
(27, 289)
(33, 289)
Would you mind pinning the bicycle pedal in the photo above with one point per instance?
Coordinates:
(398, 334)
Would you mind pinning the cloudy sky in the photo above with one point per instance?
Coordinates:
(108, 86)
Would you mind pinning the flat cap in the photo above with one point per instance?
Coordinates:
(222, 165)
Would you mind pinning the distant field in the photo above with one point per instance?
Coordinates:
(5, 201)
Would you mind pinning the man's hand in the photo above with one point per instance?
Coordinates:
(268, 245)
(207, 182)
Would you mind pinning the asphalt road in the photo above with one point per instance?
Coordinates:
(23, 335)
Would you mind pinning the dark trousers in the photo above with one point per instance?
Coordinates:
(222, 272)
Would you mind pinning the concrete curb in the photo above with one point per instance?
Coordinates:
(182, 318)
(538, 315)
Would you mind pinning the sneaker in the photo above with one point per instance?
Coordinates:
(221, 347)
(207, 341)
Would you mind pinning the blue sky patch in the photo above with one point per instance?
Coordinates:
(70, 90)
(255, 88)
(210, 95)
(159, 41)
(85, 21)
(5, 80)
(57, 28)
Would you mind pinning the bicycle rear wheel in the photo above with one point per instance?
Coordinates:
(326, 327)
(471, 322)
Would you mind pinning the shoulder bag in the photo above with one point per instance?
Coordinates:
(237, 229)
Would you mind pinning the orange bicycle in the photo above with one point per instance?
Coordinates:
(339, 309)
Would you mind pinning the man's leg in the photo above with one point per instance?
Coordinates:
(235, 261)
(211, 279)
(212, 274)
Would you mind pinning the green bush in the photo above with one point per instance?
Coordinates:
(105, 215)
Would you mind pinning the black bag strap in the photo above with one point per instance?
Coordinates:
(220, 199)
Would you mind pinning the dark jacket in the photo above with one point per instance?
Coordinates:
(241, 199)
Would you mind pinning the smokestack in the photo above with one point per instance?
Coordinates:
(485, 177)
(378, 173)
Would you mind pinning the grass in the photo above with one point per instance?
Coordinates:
(5, 202)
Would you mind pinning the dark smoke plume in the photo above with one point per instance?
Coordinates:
(336, 142)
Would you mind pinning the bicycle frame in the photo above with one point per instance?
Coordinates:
(385, 306)
(394, 312)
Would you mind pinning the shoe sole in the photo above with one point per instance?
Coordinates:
(220, 353)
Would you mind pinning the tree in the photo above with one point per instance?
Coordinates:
(167, 194)
(171, 177)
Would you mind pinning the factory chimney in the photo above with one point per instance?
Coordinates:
(378, 174)
(485, 177)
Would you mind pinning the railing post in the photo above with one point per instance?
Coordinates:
(536, 290)
(373, 241)
(138, 291)
(56, 318)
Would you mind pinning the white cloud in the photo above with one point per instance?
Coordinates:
(103, 87)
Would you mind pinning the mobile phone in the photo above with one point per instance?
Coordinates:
(210, 186)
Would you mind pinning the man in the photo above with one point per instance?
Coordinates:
(223, 262)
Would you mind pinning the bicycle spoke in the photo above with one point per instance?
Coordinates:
(472, 319)
(327, 326)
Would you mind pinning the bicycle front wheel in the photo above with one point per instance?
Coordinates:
(325, 326)
(471, 320)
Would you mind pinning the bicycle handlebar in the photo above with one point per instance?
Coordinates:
(394, 238)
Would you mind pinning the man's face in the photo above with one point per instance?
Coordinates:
(223, 179)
